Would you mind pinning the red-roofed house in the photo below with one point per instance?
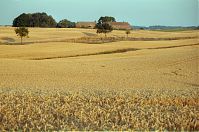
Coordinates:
(121, 25)
(85, 24)
(115, 25)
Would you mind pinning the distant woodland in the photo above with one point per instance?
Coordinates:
(40, 20)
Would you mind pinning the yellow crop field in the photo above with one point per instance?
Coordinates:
(59, 34)
(50, 83)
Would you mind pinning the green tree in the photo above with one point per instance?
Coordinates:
(22, 32)
(104, 28)
(103, 25)
(66, 24)
(128, 32)
(106, 19)
(22, 20)
(34, 20)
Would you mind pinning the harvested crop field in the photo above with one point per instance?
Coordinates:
(124, 85)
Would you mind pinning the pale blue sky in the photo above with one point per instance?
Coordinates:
(136, 12)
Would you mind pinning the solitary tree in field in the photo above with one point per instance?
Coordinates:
(128, 32)
(22, 32)
(104, 28)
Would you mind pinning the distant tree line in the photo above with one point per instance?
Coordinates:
(44, 20)
(40, 20)
(34, 20)
(159, 27)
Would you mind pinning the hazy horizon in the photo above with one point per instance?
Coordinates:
(136, 12)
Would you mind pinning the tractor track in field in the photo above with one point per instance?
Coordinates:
(112, 52)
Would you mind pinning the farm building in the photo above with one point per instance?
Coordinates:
(85, 24)
(120, 25)
(115, 25)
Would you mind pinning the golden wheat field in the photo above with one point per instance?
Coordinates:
(50, 83)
